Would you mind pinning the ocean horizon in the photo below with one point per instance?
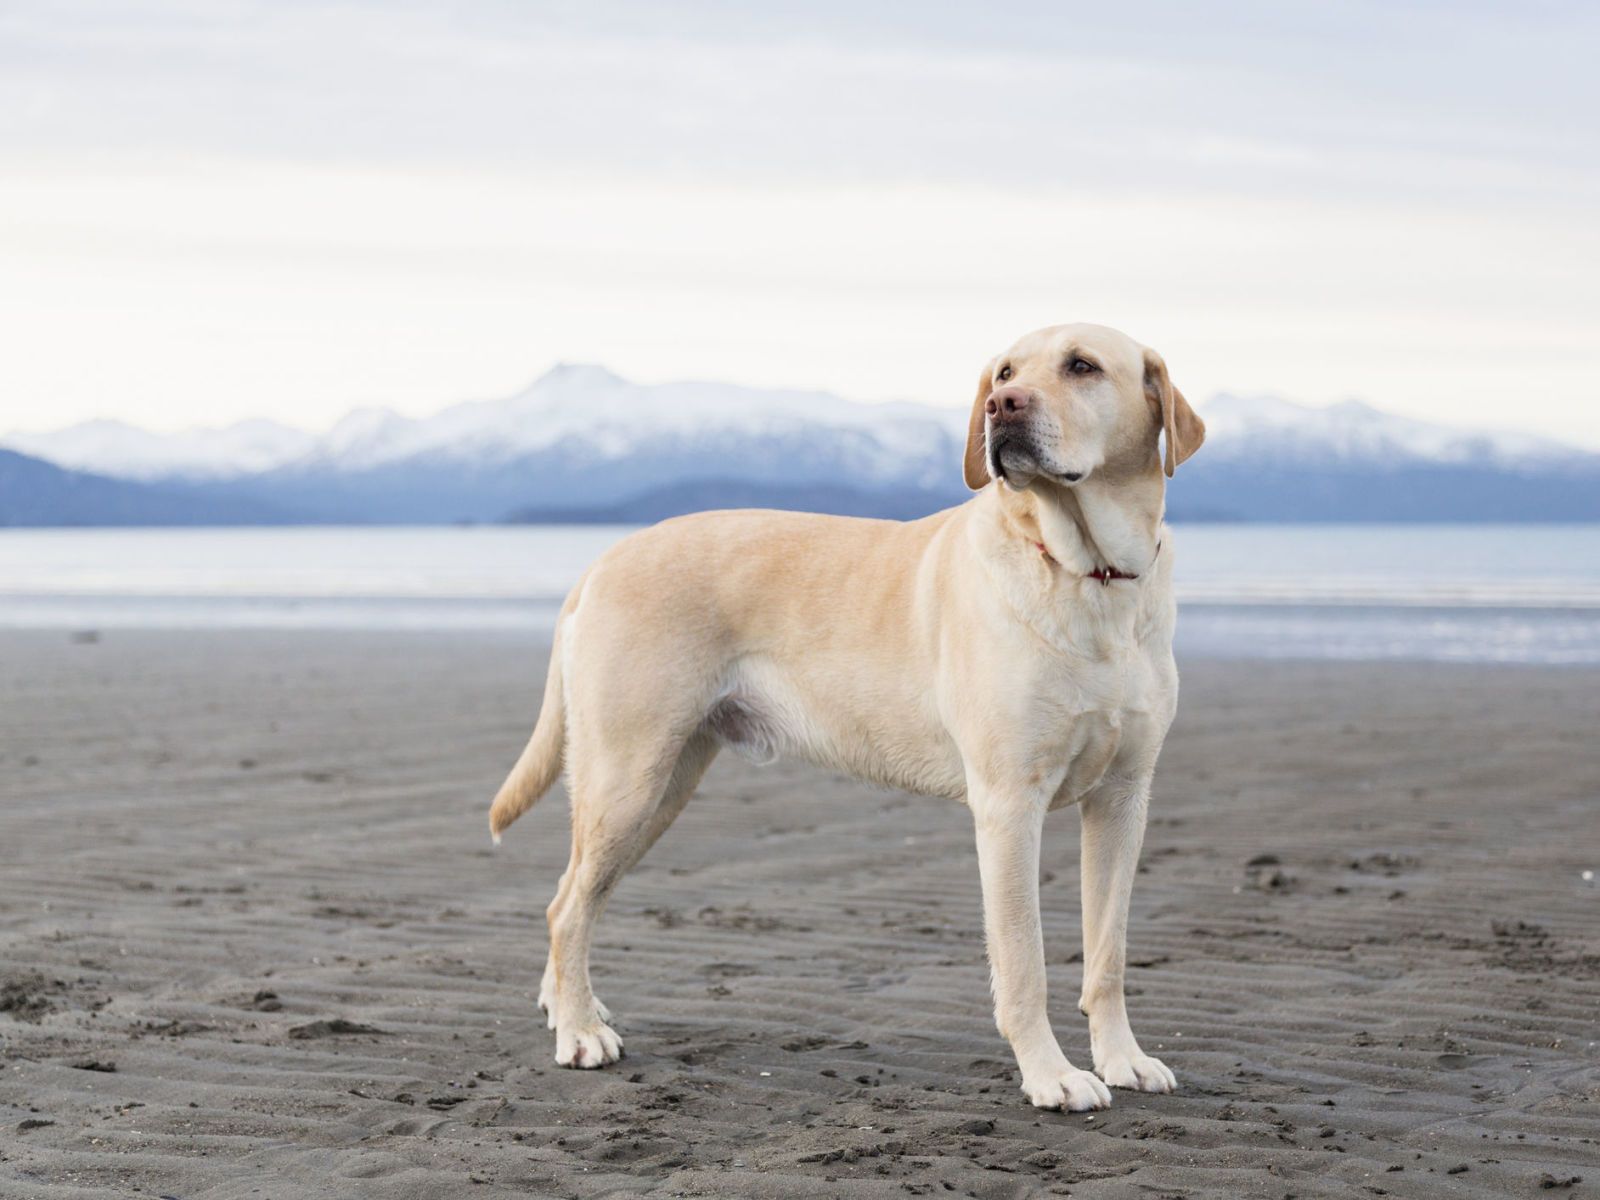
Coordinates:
(1450, 593)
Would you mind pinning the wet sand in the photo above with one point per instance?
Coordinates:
(254, 943)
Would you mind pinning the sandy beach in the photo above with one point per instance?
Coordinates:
(254, 943)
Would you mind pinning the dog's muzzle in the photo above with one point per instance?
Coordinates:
(1012, 456)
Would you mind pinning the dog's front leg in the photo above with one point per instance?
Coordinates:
(1113, 831)
(1008, 835)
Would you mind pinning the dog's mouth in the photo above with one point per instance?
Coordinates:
(1011, 458)
(1017, 462)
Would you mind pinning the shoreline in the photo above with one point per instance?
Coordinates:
(1481, 635)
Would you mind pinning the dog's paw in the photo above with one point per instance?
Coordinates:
(547, 1005)
(1139, 1072)
(1070, 1090)
(593, 1045)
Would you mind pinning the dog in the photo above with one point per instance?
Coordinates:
(1013, 653)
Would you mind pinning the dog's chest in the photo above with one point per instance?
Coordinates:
(1107, 724)
(1095, 739)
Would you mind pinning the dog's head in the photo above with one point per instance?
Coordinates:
(1071, 400)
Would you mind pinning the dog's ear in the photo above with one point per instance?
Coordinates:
(1184, 429)
(975, 463)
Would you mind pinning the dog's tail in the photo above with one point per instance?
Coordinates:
(541, 759)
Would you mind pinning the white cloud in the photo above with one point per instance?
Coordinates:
(212, 211)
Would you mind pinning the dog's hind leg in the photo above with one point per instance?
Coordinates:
(620, 806)
(547, 985)
(692, 763)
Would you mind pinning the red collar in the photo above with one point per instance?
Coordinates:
(1102, 575)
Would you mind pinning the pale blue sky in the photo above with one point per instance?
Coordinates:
(214, 210)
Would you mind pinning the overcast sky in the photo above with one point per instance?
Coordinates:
(216, 209)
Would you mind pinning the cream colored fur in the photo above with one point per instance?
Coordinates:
(950, 656)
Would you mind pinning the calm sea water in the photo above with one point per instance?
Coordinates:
(1513, 594)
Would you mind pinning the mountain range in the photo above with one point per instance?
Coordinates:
(583, 444)
(38, 493)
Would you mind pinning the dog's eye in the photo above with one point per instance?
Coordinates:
(1005, 373)
(1082, 366)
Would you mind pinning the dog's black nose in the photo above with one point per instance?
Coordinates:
(1006, 402)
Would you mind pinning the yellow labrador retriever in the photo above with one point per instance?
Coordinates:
(1014, 652)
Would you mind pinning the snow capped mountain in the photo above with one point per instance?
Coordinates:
(593, 412)
(581, 439)
(587, 409)
(1240, 426)
(127, 452)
